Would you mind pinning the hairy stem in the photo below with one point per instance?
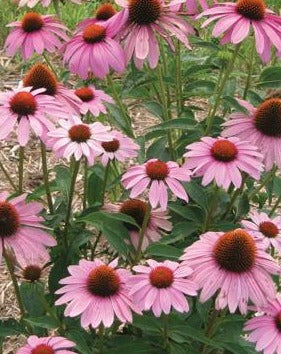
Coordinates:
(250, 70)
(46, 178)
(142, 233)
(6, 173)
(21, 162)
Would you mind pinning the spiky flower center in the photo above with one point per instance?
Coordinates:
(157, 170)
(23, 104)
(278, 321)
(251, 9)
(161, 277)
(144, 12)
(235, 251)
(111, 146)
(32, 22)
(79, 133)
(136, 209)
(268, 117)
(105, 11)
(32, 273)
(268, 229)
(103, 281)
(9, 220)
(224, 150)
(85, 94)
(40, 76)
(94, 34)
(43, 349)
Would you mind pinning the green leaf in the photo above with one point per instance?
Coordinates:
(234, 103)
(270, 77)
(100, 216)
(200, 87)
(177, 123)
(193, 69)
(80, 340)
(30, 294)
(155, 108)
(197, 193)
(148, 323)
(63, 180)
(10, 327)
(43, 322)
(95, 185)
(158, 149)
(164, 251)
(117, 118)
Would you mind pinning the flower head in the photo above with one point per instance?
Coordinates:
(21, 228)
(264, 229)
(103, 13)
(235, 21)
(158, 221)
(261, 126)
(33, 268)
(223, 160)
(35, 33)
(40, 76)
(265, 329)
(120, 148)
(27, 109)
(95, 51)
(144, 21)
(75, 138)
(47, 345)
(93, 100)
(233, 264)
(158, 176)
(161, 286)
(98, 292)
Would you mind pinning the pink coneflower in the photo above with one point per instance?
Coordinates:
(235, 265)
(193, 7)
(95, 51)
(158, 221)
(266, 328)
(223, 160)
(28, 110)
(40, 76)
(35, 33)
(93, 100)
(236, 19)
(120, 148)
(144, 21)
(47, 345)
(161, 286)
(75, 138)
(33, 268)
(157, 176)
(98, 292)
(261, 127)
(264, 229)
(20, 227)
(103, 13)
(44, 3)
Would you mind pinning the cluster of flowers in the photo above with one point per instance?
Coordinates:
(234, 264)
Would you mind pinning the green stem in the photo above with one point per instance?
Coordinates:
(165, 109)
(121, 106)
(49, 63)
(106, 174)
(46, 178)
(275, 206)
(266, 180)
(57, 8)
(85, 184)
(211, 116)
(21, 161)
(250, 70)
(235, 195)
(8, 176)
(142, 233)
(210, 328)
(14, 280)
(50, 311)
(76, 165)
(178, 79)
(101, 339)
(93, 250)
(211, 210)
(165, 331)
